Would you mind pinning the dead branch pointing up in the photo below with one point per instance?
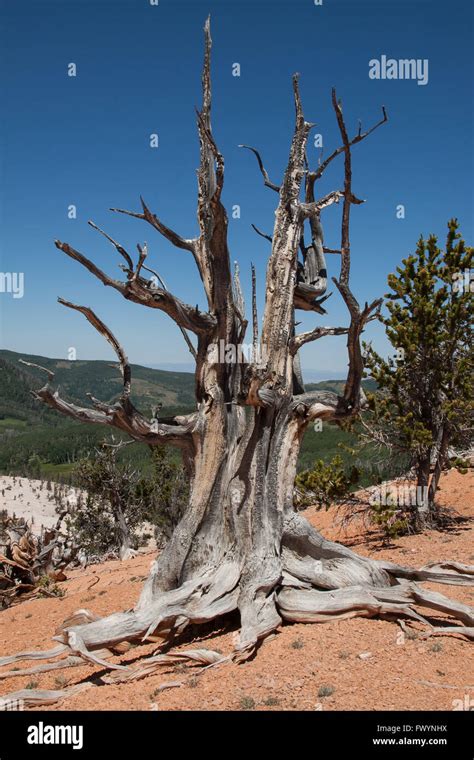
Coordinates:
(166, 232)
(358, 138)
(119, 247)
(266, 179)
(102, 328)
(38, 366)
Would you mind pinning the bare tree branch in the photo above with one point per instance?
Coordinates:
(313, 176)
(88, 264)
(266, 179)
(312, 279)
(139, 291)
(309, 209)
(119, 247)
(321, 332)
(211, 248)
(121, 415)
(142, 255)
(102, 328)
(302, 244)
(311, 335)
(278, 321)
(358, 317)
(167, 232)
(38, 366)
(314, 260)
(262, 234)
(131, 422)
(317, 405)
(238, 295)
(219, 158)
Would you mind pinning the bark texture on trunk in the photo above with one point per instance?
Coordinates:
(240, 544)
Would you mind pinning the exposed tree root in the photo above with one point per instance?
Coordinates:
(444, 685)
(42, 697)
(48, 654)
(451, 573)
(311, 606)
(450, 630)
(318, 581)
(69, 662)
(151, 665)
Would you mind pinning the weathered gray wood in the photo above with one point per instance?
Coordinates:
(32, 655)
(69, 662)
(240, 545)
(42, 697)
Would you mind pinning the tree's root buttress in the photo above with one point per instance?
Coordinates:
(318, 580)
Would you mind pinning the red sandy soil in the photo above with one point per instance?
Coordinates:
(398, 673)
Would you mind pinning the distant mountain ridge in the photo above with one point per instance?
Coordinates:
(338, 385)
(174, 390)
(35, 439)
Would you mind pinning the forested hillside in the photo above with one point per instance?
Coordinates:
(35, 440)
(102, 379)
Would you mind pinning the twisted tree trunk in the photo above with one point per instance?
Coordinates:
(240, 545)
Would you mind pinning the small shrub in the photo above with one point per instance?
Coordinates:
(326, 691)
(393, 520)
(297, 644)
(325, 483)
(271, 701)
(247, 703)
(119, 500)
(460, 464)
(45, 584)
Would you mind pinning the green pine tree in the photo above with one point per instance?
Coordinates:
(120, 499)
(424, 403)
(112, 512)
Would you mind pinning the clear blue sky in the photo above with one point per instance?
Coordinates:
(85, 141)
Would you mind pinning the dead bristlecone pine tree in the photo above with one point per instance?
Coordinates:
(240, 544)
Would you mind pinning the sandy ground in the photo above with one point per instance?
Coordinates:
(368, 664)
(31, 499)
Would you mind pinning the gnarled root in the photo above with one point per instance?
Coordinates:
(324, 581)
(313, 580)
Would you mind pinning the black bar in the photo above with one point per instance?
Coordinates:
(133, 734)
